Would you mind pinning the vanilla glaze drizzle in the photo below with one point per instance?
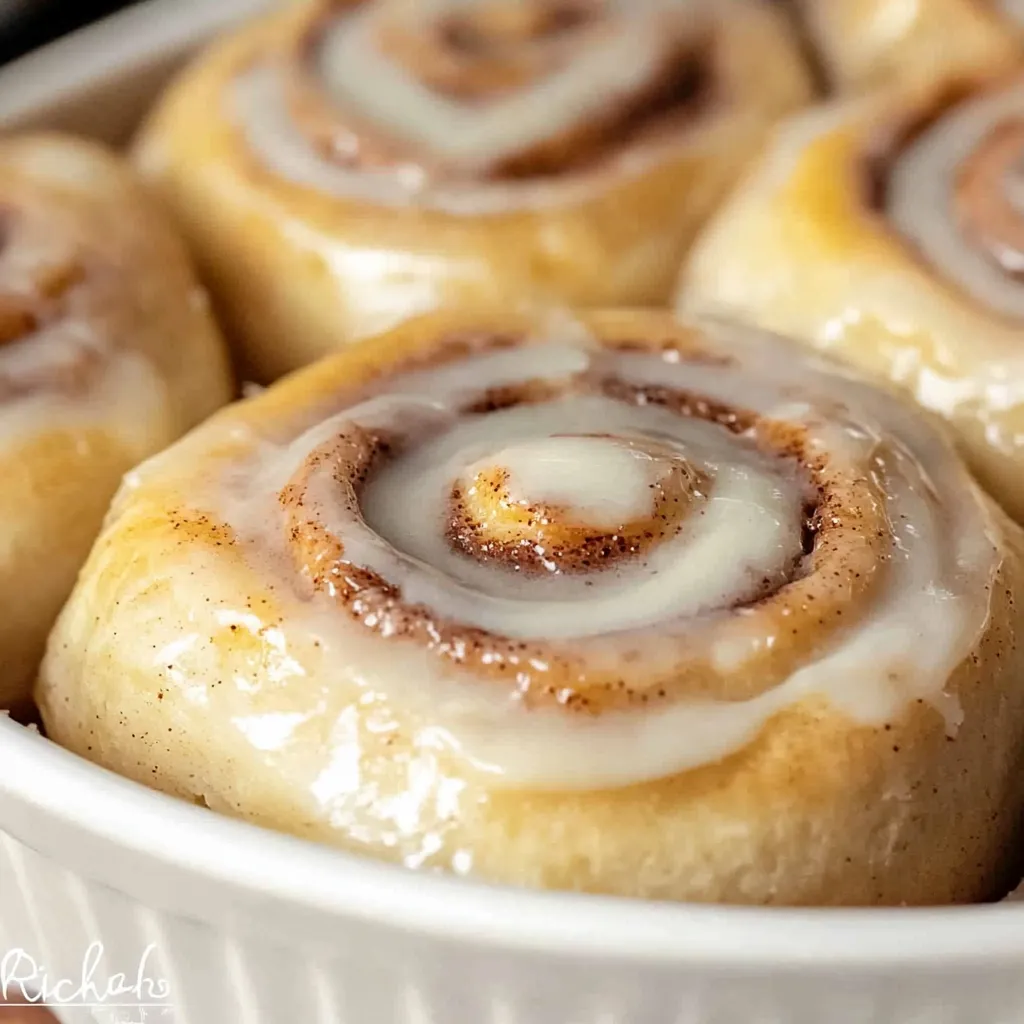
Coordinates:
(661, 657)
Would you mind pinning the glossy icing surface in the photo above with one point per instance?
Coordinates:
(107, 354)
(779, 532)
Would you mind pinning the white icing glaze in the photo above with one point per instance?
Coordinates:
(576, 474)
(921, 188)
(925, 618)
(127, 399)
(356, 75)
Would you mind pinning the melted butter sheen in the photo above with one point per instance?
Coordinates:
(922, 621)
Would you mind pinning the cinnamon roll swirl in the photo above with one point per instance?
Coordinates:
(870, 43)
(344, 165)
(107, 353)
(619, 605)
(890, 232)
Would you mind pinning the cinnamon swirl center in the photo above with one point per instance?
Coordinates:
(572, 503)
(490, 48)
(45, 282)
(34, 279)
(494, 89)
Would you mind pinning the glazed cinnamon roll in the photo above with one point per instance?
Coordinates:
(107, 353)
(618, 605)
(890, 232)
(342, 166)
(870, 43)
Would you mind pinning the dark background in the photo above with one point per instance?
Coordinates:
(38, 21)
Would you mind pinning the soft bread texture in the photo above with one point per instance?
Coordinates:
(866, 44)
(109, 353)
(184, 662)
(298, 270)
(800, 248)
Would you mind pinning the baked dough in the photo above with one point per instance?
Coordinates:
(107, 353)
(615, 604)
(339, 167)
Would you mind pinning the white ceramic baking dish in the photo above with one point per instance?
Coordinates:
(246, 926)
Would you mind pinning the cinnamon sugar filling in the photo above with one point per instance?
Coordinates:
(889, 143)
(484, 50)
(32, 299)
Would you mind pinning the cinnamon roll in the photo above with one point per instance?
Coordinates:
(342, 166)
(870, 43)
(618, 605)
(107, 353)
(890, 232)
